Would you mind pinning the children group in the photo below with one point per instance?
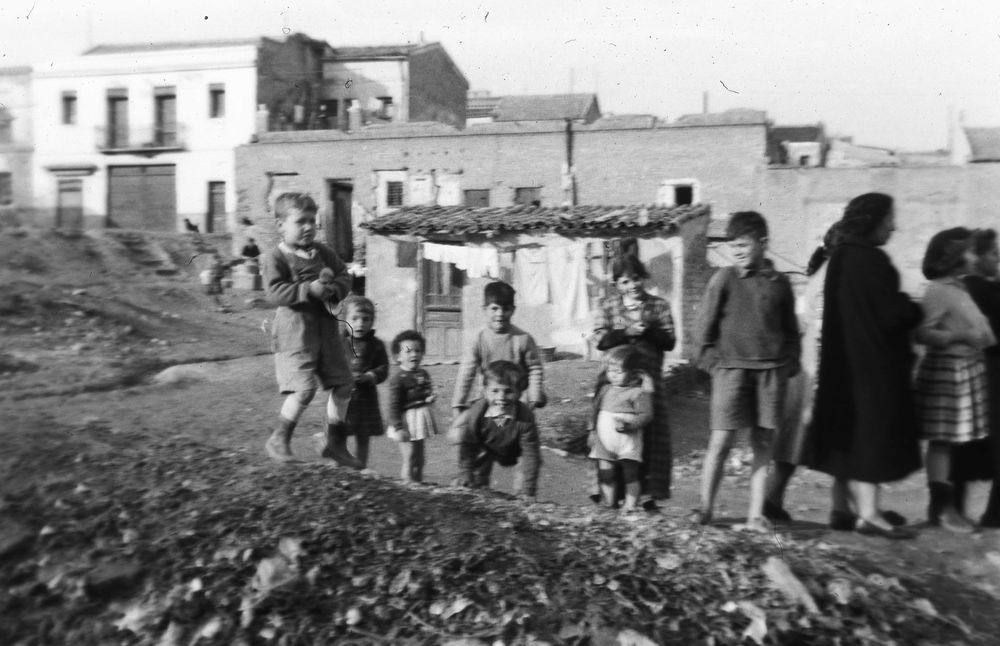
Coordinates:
(820, 386)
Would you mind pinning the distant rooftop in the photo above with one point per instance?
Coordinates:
(985, 144)
(373, 52)
(126, 48)
(15, 70)
(736, 116)
(548, 107)
(463, 220)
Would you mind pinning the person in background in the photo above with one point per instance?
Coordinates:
(980, 459)
(306, 279)
(250, 250)
(863, 424)
(952, 402)
(749, 339)
(411, 393)
(500, 340)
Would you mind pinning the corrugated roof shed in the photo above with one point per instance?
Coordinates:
(126, 48)
(985, 144)
(547, 107)
(462, 220)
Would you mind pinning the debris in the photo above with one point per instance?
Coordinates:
(782, 578)
(113, 579)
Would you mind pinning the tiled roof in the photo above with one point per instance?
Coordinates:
(125, 48)
(985, 144)
(462, 220)
(545, 107)
(373, 52)
(736, 116)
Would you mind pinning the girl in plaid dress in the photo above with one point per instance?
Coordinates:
(370, 367)
(411, 393)
(951, 387)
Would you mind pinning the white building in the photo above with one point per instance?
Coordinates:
(15, 141)
(142, 136)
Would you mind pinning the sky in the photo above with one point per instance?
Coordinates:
(892, 73)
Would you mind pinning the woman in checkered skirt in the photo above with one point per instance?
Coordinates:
(951, 387)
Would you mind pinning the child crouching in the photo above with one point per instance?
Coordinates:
(501, 429)
(623, 406)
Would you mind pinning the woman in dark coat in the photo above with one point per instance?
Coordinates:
(864, 427)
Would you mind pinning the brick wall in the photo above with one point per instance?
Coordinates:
(437, 89)
(800, 204)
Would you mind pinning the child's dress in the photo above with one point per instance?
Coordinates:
(616, 404)
(951, 388)
(408, 405)
(366, 354)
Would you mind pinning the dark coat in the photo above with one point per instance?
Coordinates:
(366, 354)
(980, 459)
(864, 424)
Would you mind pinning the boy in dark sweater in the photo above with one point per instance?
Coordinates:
(498, 428)
(749, 340)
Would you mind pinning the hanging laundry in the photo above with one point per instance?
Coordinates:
(477, 262)
(568, 282)
(531, 275)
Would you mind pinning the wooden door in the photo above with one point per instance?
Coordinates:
(143, 197)
(442, 310)
(69, 209)
(117, 122)
(215, 219)
(339, 233)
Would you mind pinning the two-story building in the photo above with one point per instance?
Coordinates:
(142, 136)
(15, 141)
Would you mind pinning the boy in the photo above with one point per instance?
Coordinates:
(500, 341)
(749, 340)
(501, 429)
(305, 279)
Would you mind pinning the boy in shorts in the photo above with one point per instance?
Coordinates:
(749, 339)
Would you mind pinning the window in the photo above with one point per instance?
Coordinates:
(683, 194)
(528, 196)
(394, 193)
(216, 100)
(165, 117)
(329, 114)
(675, 192)
(386, 109)
(477, 197)
(69, 108)
(6, 189)
(117, 133)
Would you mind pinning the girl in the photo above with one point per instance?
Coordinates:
(411, 393)
(624, 407)
(370, 367)
(951, 381)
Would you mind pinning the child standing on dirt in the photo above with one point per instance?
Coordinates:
(500, 340)
(951, 387)
(498, 428)
(369, 367)
(623, 406)
(305, 279)
(411, 394)
(749, 339)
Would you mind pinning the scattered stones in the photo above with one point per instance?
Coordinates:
(113, 579)
(14, 537)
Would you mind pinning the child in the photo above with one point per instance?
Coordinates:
(624, 407)
(370, 367)
(951, 389)
(411, 393)
(500, 340)
(501, 429)
(749, 339)
(308, 350)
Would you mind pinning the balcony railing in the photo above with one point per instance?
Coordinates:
(143, 139)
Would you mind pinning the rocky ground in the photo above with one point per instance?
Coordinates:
(136, 506)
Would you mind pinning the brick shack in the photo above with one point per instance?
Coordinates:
(428, 265)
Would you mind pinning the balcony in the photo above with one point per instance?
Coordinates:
(144, 140)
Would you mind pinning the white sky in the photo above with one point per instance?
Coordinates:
(885, 71)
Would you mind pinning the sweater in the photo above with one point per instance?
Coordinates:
(480, 437)
(516, 346)
(949, 309)
(747, 320)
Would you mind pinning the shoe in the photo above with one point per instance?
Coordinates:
(896, 533)
(955, 522)
(596, 498)
(758, 525)
(893, 518)
(842, 521)
(328, 447)
(650, 506)
(278, 447)
(775, 512)
(699, 517)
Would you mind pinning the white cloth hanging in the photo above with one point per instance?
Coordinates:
(568, 282)
(531, 276)
(476, 261)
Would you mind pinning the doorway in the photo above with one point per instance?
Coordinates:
(337, 225)
(441, 283)
(69, 208)
(215, 217)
